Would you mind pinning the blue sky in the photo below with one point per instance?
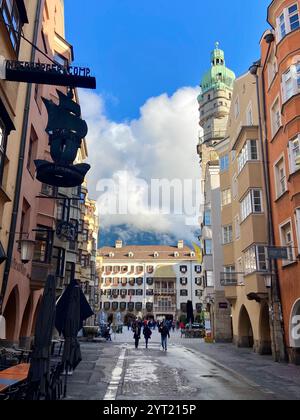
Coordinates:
(140, 49)
(149, 57)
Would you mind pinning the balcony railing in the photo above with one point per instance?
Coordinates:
(158, 291)
(165, 309)
(212, 135)
(232, 279)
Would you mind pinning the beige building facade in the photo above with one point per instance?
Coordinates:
(244, 221)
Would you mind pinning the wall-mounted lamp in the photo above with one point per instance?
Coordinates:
(27, 250)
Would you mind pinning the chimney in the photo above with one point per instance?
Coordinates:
(180, 245)
(119, 244)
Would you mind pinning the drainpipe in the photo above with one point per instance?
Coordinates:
(16, 203)
(279, 350)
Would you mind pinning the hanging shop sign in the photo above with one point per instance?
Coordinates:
(66, 129)
(47, 74)
(277, 253)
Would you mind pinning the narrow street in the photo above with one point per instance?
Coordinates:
(116, 371)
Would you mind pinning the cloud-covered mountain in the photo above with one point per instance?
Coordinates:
(160, 145)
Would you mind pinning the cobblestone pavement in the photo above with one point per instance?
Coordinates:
(190, 370)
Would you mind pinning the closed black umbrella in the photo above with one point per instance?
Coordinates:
(72, 310)
(190, 312)
(40, 360)
(63, 305)
(72, 355)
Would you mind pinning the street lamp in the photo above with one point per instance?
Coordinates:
(27, 250)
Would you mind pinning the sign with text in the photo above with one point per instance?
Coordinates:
(47, 74)
(277, 253)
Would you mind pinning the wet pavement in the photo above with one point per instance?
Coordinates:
(190, 370)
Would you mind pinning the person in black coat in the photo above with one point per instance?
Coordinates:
(165, 333)
(137, 336)
(147, 334)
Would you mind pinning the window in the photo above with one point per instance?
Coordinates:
(85, 235)
(226, 197)
(198, 281)
(255, 259)
(297, 217)
(298, 74)
(209, 279)
(70, 272)
(287, 240)
(198, 293)
(249, 115)
(61, 60)
(291, 82)
(48, 190)
(62, 209)
(3, 143)
(275, 117)
(59, 261)
(12, 19)
(280, 178)
(207, 218)
(198, 269)
(227, 234)
(208, 247)
(150, 292)
(237, 227)
(272, 69)
(183, 281)
(248, 153)
(116, 281)
(288, 21)
(252, 203)
(43, 245)
(224, 163)
(183, 293)
(287, 85)
(183, 269)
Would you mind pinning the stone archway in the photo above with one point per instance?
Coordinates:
(11, 315)
(24, 332)
(245, 338)
(265, 344)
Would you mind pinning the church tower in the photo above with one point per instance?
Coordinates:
(214, 106)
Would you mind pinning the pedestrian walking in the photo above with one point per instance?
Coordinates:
(147, 334)
(137, 336)
(165, 333)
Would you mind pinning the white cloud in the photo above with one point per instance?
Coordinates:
(161, 144)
